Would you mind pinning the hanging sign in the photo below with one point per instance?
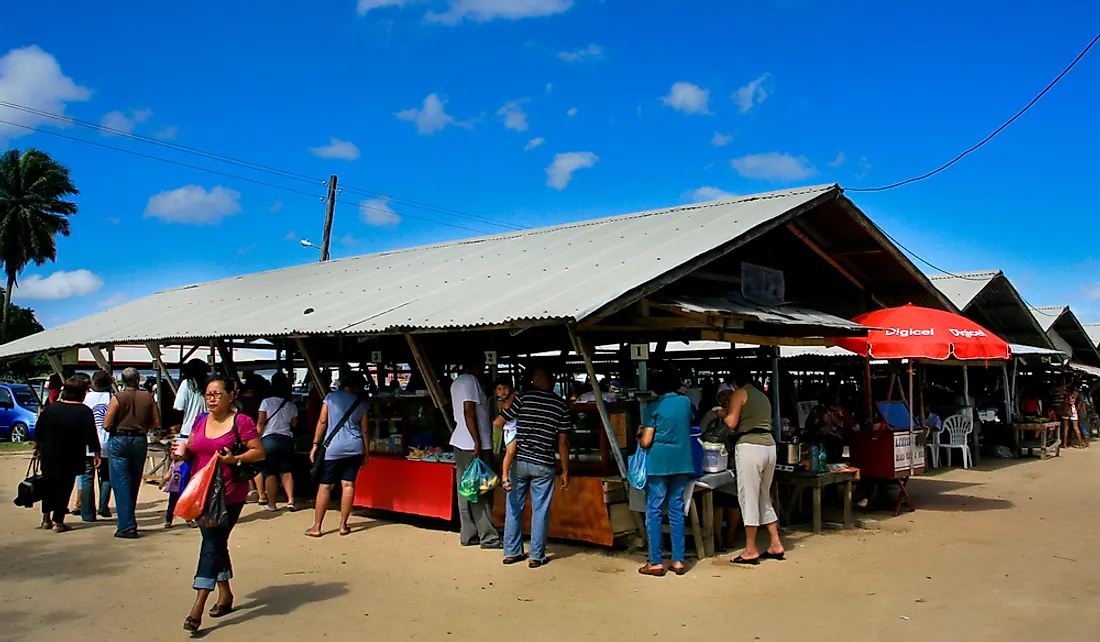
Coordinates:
(762, 285)
(639, 352)
(376, 356)
(490, 357)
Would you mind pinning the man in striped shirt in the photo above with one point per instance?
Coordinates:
(543, 423)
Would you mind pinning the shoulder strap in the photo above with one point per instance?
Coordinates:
(277, 409)
(236, 433)
(343, 420)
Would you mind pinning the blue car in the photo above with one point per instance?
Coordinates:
(18, 412)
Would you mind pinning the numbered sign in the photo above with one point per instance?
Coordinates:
(490, 357)
(376, 356)
(639, 352)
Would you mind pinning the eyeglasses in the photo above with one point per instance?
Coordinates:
(214, 395)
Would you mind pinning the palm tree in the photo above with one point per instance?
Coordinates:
(33, 212)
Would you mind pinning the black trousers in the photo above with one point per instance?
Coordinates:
(57, 488)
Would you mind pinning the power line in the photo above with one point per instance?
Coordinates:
(158, 158)
(989, 137)
(417, 218)
(445, 211)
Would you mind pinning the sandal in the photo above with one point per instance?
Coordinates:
(62, 528)
(46, 525)
(537, 563)
(192, 624)
(515, 559)
(291, 508)
(309, 533)
(653, 572)
(741, 560)
(766, 555)
(221, 610)
(679, 570)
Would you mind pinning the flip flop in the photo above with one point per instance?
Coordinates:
(740, 560)
(516, 559)
(309, 534)
(679, 570)
(773, 556)
(653, 572)
(344, 533)
(192, 624)
(537, 563)
(221, 610)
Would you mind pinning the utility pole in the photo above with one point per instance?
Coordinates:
(327, 238)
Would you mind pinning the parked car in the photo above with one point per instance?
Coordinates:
(18, 412)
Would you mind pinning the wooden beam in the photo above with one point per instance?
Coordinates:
(428, 372)
(100, 359)
(314, 373)
(764, 341)
(582, 349)
(154, 351)
(828, 258)
(227, 359)
(55, 364)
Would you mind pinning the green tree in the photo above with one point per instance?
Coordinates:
(33, 211)
(22, 323)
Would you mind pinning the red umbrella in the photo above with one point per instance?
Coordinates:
(912, 332)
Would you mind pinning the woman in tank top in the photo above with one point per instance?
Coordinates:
(749, 416)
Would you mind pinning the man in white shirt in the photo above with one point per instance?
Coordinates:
(98, 398)
(472, 437)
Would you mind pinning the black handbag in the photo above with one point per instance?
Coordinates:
(243, 471)
(318, 465)
(30, 489)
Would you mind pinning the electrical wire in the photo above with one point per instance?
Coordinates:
(414, 217)
(445, 211)
(987, 138)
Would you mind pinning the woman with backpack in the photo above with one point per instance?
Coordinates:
(278, 417)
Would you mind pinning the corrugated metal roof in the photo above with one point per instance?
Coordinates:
(1093, 330)
(733, 304)
(1061, 321)
(565, 272)
(1019, 350)
(1087, 369)
(963, 287)
(1048, 315)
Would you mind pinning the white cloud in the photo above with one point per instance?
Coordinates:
(572, 112)
(703, 194)
(59, 285)
(167, 133)
(514, 116)
(118, 120)
(115, 220)
(241, 251)
(338, 149)
(533, 143)
(591, 52)
(560, 171)
(366, 5)
(721, 140)
(841, 158)
(112, 301)
(751, 94)
(549, 87)
(486, 10)
(291, 236)
(431, 117)
(377, 212)
(688, 98)
(774, 166)
(194, 205)
(33, 78)
(276, 206)
(349, 240)
(1092, 291)
(864, 167)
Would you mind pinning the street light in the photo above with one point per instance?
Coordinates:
(307, 243)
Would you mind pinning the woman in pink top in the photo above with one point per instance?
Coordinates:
(214, 435)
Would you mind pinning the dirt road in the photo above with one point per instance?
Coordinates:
(1007, 554)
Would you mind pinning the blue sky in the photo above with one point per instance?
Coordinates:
(543, 111)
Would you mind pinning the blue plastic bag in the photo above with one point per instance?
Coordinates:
(477, 480)
(636, 468)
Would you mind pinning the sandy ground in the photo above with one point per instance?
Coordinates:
(1005, 552)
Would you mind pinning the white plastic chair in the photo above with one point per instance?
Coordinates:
(932, 443)
(958, 428)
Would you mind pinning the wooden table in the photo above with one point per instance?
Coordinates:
(1041, 440)
(802, 481)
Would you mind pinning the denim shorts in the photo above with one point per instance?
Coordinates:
(344, 469)
(280, 455)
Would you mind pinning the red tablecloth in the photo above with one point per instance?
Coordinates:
(403, 486)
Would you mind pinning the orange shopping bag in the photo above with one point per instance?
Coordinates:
(192, 500)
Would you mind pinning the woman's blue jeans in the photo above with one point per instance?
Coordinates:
(659, 491)
(214, 565)
(127, 461)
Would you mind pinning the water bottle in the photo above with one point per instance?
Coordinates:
(813, 456)
(822, 460)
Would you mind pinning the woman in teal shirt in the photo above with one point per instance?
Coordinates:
(666, 432)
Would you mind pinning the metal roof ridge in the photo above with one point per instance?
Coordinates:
(991, 274)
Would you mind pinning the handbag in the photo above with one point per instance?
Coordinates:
(243, 471)
(30, 489)
(318, 465)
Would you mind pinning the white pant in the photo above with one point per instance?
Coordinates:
(755, 469)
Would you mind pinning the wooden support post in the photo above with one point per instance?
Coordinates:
(154, 351)
(101, 361)
(1009, 410)
(870, 394)
(428, 372)
(55, 365)
(227, 359)
(605, 417)
(314, 373)
(777, 419)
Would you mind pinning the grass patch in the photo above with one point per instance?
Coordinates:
(15, 447)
